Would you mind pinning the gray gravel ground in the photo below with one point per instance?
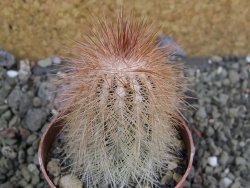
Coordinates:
(219, 120)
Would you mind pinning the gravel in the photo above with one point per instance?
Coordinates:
(219, 120)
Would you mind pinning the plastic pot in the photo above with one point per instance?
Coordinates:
(55, 127)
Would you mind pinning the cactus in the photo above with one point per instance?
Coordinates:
(122, 99)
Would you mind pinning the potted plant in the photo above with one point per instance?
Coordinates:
(120, 110)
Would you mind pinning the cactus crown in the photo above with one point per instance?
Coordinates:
(122, 100)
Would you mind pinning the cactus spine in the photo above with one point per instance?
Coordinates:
(122, 100)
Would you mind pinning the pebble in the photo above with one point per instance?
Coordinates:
(6, 59)
(31, 138)
(25, 173)
(12, 73)
(8, 152)
(166, 178)
(45, 62)
(56, 60)
(236, 185)
(24, 133)
(224, 158)
(225, 182)
(37, 102)
(6, 185)
(69, 181)
(172, 165)
(14, 99)
(240, 161)
(248, 58)
(213, 161)
(21, 156)
(14, 122)
(216, 58)
(234, 77)
(223, 99)
(9, 132)
(33, 169)
(35, 118)
(24, 71)
(46, 92)
(6, 115)
(53, 167)
(201, 113)
(5, 90)
(3, 108)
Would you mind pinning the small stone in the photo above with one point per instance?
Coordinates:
(223, 99)
(22, 183)
(213, 161)
(33, 169)
(25, 173)
(12, 73)
(21, 156)
(24, 133)
(56, 60)
(45, 62)
(69, 181)
(3, 123)
(29, 186)
(240, 161)
(8, 152)
(9, 132)
(248, 58)
(35, 179)
(5, 90)
(6, 59)
(236, 185)
(35, 118)
(234, 77)
(3, 108)
(10, 141)
(224, 158)
(36, 161)
(187, 184)
(168, 176)
(25, 103)
(30, 151)
(191, 173)
(37, 102)
(53, 167)
(172, 165)
(225, 182)
(216, 58)
(197, 185)
(14, 99)
(6, 115)
(201, 113)
(6, 185)
(46, 91)
(14, 121)
(24, 71)
(31, 138)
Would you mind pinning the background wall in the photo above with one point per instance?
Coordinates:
(38, 28)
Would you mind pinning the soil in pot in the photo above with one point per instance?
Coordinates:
(58, 169)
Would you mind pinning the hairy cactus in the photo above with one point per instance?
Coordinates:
(122, 100)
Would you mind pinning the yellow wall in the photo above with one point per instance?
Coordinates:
(37, 28)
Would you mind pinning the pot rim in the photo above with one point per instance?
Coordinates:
(42, 157)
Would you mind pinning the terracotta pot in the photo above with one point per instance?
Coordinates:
(54, 128)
